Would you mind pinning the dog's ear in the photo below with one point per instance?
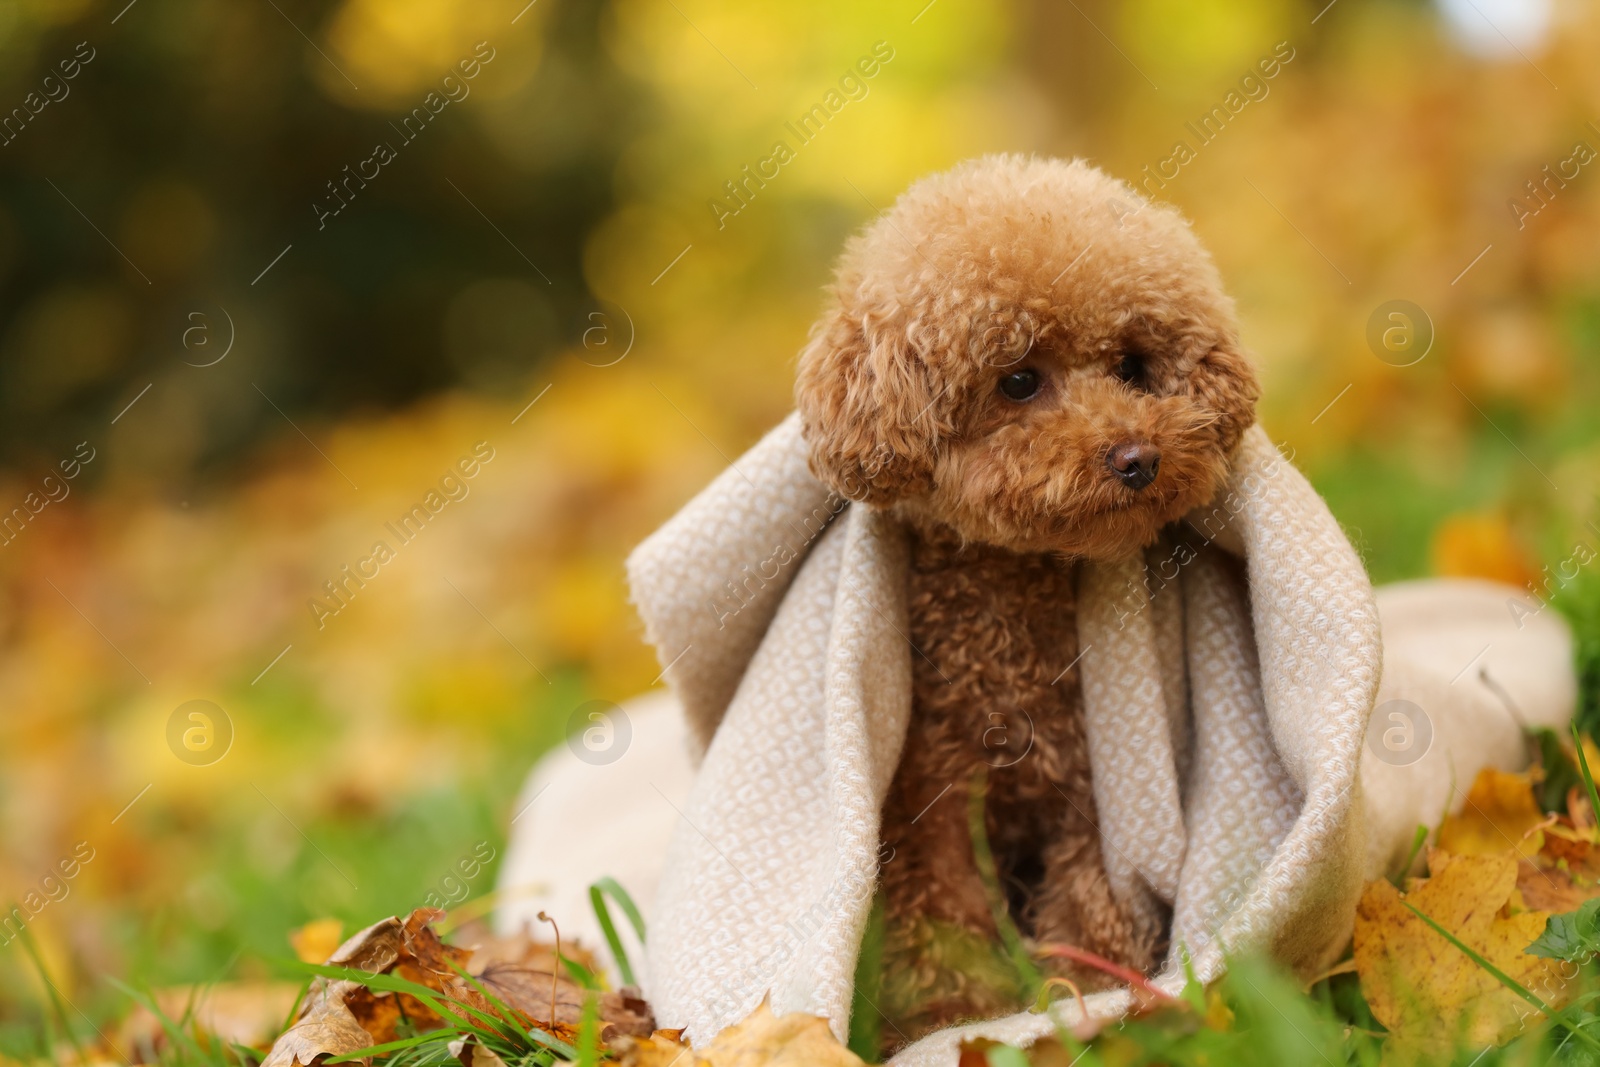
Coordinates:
(866, 403)
(1223, 382)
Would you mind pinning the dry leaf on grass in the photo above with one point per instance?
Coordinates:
(472, 1054)
(516, 969)
(762, 1040)
(326, 1027)
(1564, 874)
(527, 989)
(341, 1016)
(1421, 986)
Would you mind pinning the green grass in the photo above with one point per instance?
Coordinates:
(1579, 602)
(500, 1029)
(233, 881)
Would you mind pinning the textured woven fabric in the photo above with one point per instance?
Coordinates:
(1226, 705)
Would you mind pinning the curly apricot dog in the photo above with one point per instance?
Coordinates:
(1028, 365)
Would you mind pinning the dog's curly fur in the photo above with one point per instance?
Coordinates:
(1005, 266)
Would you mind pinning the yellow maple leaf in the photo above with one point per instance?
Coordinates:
(1499, 816)
(1422, 987)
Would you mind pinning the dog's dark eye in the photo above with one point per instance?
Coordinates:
(1130, 368)
(1021, 385)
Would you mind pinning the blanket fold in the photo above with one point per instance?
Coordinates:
(1141, 819)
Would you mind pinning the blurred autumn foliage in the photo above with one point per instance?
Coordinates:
(543, 271)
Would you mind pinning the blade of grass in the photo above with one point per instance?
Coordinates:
(1193, 992)
(589, 1032)
(613, 889)
(447, 1034)
(534, 1034)
(866, 1024)
(1010, 937)
(1417, 841)
(385, 983)
(581, 974)
(32, 950)
(1588, 779)
(174, 1030)
(602, 915)
(244, 1054)
(294, 1009)
(1505, 979)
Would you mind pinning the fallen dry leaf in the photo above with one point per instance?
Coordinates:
(1499, 813)
(326, 1027)
(516, 969)
(527, 989)
(342, 1016)
(1564, 874)
(473, 1054)
(663, 1048)
(762, 1040)
(1421, 986)
(489, 948)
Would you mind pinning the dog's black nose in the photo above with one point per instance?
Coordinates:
(1135, 462)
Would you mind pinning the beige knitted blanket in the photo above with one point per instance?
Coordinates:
(1226, 710)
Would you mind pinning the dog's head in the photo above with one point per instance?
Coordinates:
(1030, 352)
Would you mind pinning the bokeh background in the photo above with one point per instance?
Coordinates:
(541, 270)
